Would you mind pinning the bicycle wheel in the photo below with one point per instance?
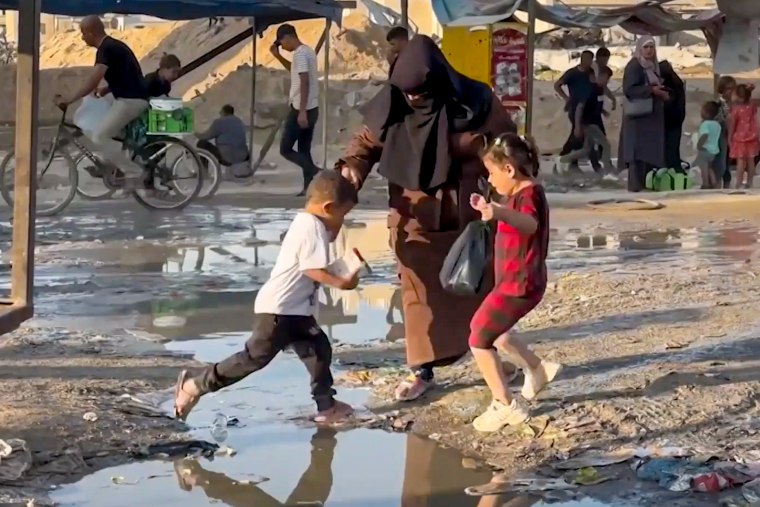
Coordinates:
(56, 181)
(212, 172)
(171, 191)
(90, 187)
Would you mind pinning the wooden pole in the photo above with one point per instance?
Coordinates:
(27, 98)
(253, 92)
(531, 66)
(325, 99)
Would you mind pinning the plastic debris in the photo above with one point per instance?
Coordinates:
(219, 428)
(178, 449)
(118, 479)
(595, 459)
(751, 491)
(90, 416)
(712, 482)
(15, 459)
(501, 485)
(590, 476)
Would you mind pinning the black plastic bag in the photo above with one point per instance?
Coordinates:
(466, 264)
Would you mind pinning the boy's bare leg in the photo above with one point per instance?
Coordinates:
(597, 137)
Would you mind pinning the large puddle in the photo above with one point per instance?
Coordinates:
(188, 281)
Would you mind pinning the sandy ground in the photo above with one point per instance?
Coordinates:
(655, 350)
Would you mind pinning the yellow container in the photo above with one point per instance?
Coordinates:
(474, 51)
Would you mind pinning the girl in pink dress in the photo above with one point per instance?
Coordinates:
(743, 133)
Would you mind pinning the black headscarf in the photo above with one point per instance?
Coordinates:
(416, 139)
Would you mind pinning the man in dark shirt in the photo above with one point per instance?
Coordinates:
(578, 83)
(588, 124)
(117, 65)
(159, 83)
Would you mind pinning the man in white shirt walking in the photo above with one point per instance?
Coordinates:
(304, 101)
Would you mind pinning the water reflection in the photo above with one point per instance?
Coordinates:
(577, 249)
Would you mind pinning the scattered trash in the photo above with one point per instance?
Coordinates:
(687, 475)
(15, 459)
(499, 486)
(534, 428)
(10, 495)
(178, 449)
(751, 491)
(712, 482)
(603, 459)
(219, 428)
(90, 416)
(118, 479)
(226, 452)
(595, 459)
(589, 476)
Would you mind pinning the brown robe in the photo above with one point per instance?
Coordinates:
(423, 227)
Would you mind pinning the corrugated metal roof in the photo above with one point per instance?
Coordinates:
(266, 12)
(646, 16)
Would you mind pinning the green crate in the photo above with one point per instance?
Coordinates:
(179, 121)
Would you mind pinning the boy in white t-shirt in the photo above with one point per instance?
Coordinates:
(286, 305)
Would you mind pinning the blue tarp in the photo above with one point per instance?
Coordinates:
(266, 12)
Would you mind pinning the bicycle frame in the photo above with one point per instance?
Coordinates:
(66, 134)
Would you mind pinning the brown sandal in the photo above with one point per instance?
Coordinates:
(183, 377)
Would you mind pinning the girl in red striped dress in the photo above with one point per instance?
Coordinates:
(522, 241)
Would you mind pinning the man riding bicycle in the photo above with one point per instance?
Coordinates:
(117, 64)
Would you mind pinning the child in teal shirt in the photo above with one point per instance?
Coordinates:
(708, 145)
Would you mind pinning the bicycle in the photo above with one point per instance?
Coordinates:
(148, 151)
(212, 177)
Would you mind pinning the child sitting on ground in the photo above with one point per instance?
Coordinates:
(522, 241)
(743, 133)
(285, 306)
(708, 146)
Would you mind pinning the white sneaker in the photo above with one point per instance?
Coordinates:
(498, 415)
(536, 380)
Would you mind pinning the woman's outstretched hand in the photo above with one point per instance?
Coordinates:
(352, 175)
(479, 203)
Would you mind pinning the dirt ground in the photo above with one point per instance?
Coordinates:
(658, 353)
(654, 354)
(50, 378)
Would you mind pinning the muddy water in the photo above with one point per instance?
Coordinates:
(187, 282)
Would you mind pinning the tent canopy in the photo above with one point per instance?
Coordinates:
(647, 17)
(266, 12)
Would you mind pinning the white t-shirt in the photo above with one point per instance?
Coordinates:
(288, 291)
(304, 61)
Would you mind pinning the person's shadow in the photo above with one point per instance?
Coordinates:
(313, 488)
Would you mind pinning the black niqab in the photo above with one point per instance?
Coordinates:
(416, 137)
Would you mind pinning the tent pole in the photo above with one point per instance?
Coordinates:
(531, 64)
(27, 98)
(253, 93)
(405, 13)
(325, 100)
